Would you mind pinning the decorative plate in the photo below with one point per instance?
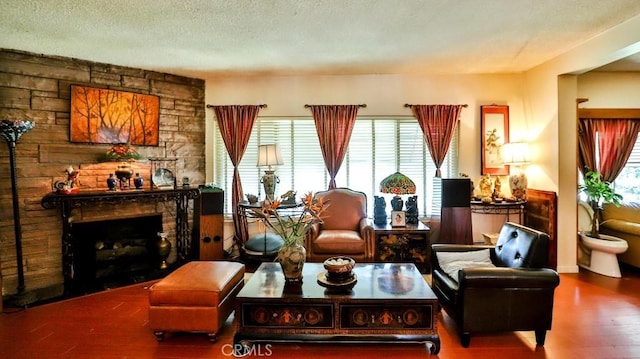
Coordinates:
(163, 177)
(347, 284)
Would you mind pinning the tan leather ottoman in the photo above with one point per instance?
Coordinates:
(197, 297)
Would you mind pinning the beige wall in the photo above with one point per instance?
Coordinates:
(542, 109)
(610, 89)
(551, 91)
(385, 95)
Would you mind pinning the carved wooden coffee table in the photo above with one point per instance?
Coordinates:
(389, 303)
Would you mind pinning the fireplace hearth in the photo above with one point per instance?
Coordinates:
(111, 253)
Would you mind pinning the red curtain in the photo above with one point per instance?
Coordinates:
(616, 138)
(235, 123)
(587, 145)
(334, 124)
(437, 123)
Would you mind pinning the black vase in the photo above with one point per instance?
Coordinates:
(138, 181)
(112, 182)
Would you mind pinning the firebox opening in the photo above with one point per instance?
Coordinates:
(112, 253)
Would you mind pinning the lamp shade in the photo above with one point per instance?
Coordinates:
(515, 153)
(397, 183)
(269, 155)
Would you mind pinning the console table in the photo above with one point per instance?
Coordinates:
(390, 303)
(491, 217)
(504, 208)
(67, 202)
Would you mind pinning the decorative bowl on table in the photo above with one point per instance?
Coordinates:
(339, 268)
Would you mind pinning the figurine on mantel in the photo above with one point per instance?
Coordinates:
(71, 185)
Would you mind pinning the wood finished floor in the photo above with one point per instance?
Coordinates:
(594, 317)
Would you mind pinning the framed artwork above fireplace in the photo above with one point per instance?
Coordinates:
(101, 115)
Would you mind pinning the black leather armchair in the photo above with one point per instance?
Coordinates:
(515, 295)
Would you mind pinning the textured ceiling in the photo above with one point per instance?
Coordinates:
(200, 38)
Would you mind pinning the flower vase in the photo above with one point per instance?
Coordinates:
(163, 247)
(138, 181)
(292, 258)
(112, 182)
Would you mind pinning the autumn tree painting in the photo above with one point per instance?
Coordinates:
(110, 116)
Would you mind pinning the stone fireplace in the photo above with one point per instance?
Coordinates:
(40, 91)
(114, 252)
(109, 237)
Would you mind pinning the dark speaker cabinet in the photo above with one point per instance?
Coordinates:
(455, 217)
(208, 225)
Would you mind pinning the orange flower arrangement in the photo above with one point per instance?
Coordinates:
(121, 152)
(292, 228)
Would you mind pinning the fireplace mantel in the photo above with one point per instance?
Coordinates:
(67, 202)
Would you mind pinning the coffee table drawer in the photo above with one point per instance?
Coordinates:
(265, 315)
(385, 317)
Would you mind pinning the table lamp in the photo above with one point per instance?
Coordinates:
(398, 184)
(269, 155)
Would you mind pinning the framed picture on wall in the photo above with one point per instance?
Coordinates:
(101, 115)
(494, 129)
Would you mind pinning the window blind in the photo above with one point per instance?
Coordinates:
(627, 181)
(378, 148)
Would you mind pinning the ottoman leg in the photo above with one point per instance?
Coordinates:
(159, 335)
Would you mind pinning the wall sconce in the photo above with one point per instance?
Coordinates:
(269, 155)
(516, 154)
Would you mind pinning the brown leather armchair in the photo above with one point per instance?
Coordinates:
(345, 229)
(511, 291)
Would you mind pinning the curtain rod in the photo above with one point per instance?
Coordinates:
(581, 100)
(264, 105)
(410, 105)
(609, 113)
(360, 105)
(363, 117)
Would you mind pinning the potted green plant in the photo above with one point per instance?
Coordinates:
(598, 192)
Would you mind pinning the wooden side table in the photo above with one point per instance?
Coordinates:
(404, 244)
(245, 213)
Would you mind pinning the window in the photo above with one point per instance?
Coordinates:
(627, 181)
(378, 148)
